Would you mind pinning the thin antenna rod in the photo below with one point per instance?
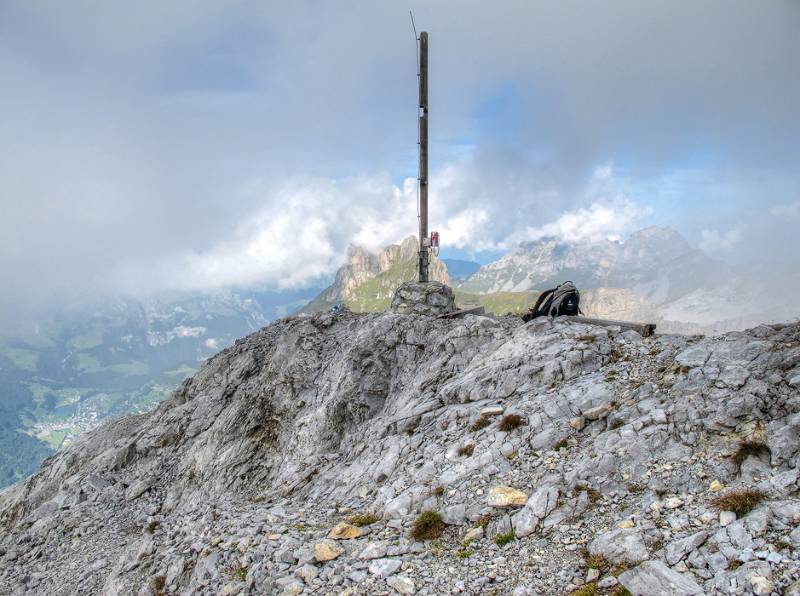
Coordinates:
(413, 26)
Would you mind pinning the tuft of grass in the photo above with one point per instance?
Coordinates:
(589, 589)
(509, 422)
(593, 494)
(503, 539)
(152, 527)
(436, 548)
(483, 521)
(482, 422)
(747, 448)
(158, 584)
(362, 519)
(598, 562)
(427, 526)
(734, 564)
(466, 450)
(783, 545)
(615, 424)
(438, 491)
(241, 573)
(741, 501)
(620, 590)
(636, 488)
(562, 444)
(464, 553)
(620, 568)
(586, 338)
(259, 499)
(658, 544)
(511, 456)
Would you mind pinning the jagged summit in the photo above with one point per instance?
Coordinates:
(657, 263)
(535, 440)
(368, 279)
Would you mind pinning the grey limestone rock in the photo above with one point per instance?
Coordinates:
(620, 546)
(654, 578)
(385, 567)
(430, 298)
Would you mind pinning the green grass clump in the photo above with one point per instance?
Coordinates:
(362, 519)
(586, 590)
(741, 501)
(562, 444)
(438, 491)
(620, 568)
(503, 539)
(509, 422)
(480, 423)
(620, 590)
(598, 562)
(428, 525)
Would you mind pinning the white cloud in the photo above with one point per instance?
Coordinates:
(301, 232)
(791, 210)
(598, 221)
(716, 241)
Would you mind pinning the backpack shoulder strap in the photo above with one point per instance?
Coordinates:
(543, 297)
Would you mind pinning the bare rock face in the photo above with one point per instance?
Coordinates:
(235, 483)
(431, 298)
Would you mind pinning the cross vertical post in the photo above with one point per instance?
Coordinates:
(423, 158)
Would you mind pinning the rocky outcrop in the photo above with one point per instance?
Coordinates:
(239, 482)
(387, 268)
(431, 298)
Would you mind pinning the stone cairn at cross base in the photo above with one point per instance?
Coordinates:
(430, 298)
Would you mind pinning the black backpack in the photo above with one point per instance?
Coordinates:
(561, 300)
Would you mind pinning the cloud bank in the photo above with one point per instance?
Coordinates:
(189, 145)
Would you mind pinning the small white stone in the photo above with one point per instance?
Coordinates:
(761, 585)
(673, 502)
(401, 584)
(726, 518)
(492, 411)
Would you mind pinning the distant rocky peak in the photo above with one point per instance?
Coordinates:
(364, 264)
(658, 241)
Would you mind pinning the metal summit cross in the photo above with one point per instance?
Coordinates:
(422, 75)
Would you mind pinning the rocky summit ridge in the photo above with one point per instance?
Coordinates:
(550, 457)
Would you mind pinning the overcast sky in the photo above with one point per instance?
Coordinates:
(189, 145)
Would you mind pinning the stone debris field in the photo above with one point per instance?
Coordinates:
(398, 453)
